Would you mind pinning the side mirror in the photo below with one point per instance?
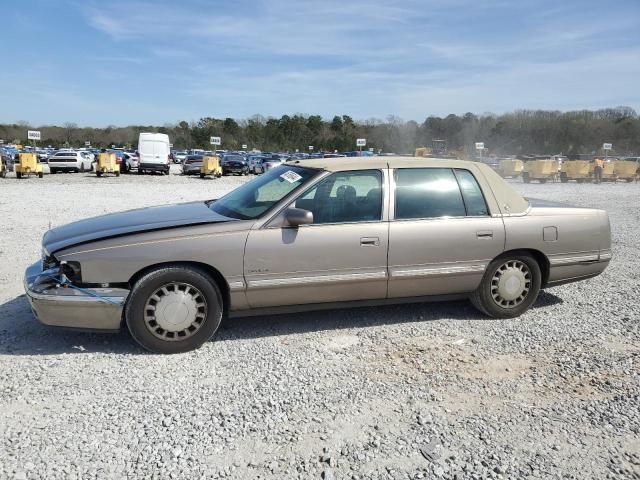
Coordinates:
(295, 217)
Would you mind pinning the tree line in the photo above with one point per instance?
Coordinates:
(518, 132)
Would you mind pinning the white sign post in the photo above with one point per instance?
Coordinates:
(33, 135)
(244, 146)
(87, 144)
(216, 141)
(361, 142)
(311, 148)
(480, 148)
(606, 147)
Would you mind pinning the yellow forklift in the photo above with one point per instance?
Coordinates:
(540, 170)
(579, 170)
(626, 170)
(211, 166)
(510, 168)
(107, 163)
(28, 165)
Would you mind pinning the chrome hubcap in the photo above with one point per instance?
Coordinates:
(511, 283)
(175, 311)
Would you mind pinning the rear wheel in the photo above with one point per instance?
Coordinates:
(509, 287)
(19, 175)
(40, 174)
(564, 178)
(174, 309)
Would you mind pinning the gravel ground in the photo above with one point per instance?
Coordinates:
(411, 391)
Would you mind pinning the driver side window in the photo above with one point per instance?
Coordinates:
(345, 197)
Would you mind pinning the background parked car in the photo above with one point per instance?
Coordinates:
(43, 155)
(252, 161)
(192, 164)
(128, 162)
(267, 164)
(234, 165)
(179, 156)
(70, 161)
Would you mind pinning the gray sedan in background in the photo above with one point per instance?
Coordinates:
(192, 164)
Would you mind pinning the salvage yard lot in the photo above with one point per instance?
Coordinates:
(408, 391)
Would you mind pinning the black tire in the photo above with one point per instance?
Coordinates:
(99, 173)
(19, 175)
(40, 174)
(117, 173)
(564, 178)
(202, 175)
(542, 180)
(81, 169)
(145, 288)
(140, 172)
(482, 298)
(525, 178)
(53, 171)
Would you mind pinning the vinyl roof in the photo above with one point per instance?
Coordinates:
(358, 163)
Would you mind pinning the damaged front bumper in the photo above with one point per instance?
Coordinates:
(65, 306)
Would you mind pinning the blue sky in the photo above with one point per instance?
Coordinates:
(143, 62)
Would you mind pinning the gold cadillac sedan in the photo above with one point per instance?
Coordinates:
(324, 233)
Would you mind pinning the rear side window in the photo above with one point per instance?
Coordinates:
(427, 193)
(471, 193)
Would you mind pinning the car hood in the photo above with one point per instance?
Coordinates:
(132, 221)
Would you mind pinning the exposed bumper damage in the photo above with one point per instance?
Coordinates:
(65, 306)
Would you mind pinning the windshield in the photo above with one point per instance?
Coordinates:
(253, 199)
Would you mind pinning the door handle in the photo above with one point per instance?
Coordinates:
(484, 234)
(369, 241)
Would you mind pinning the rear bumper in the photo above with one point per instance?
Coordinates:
(191, 169)
(234, 169)
(568, 269)
(64, 166)
(67, 307)
(154, 167)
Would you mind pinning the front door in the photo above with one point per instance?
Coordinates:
(342, 256)
(442, 236)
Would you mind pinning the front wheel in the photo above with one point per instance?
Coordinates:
(174, 309)
(509, 287)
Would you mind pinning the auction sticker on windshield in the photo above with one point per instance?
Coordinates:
(290, 176)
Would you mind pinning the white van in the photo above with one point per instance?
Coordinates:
(154, 152)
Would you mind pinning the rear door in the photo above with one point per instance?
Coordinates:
(442, 235)
(146, 150)
(342, 256)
